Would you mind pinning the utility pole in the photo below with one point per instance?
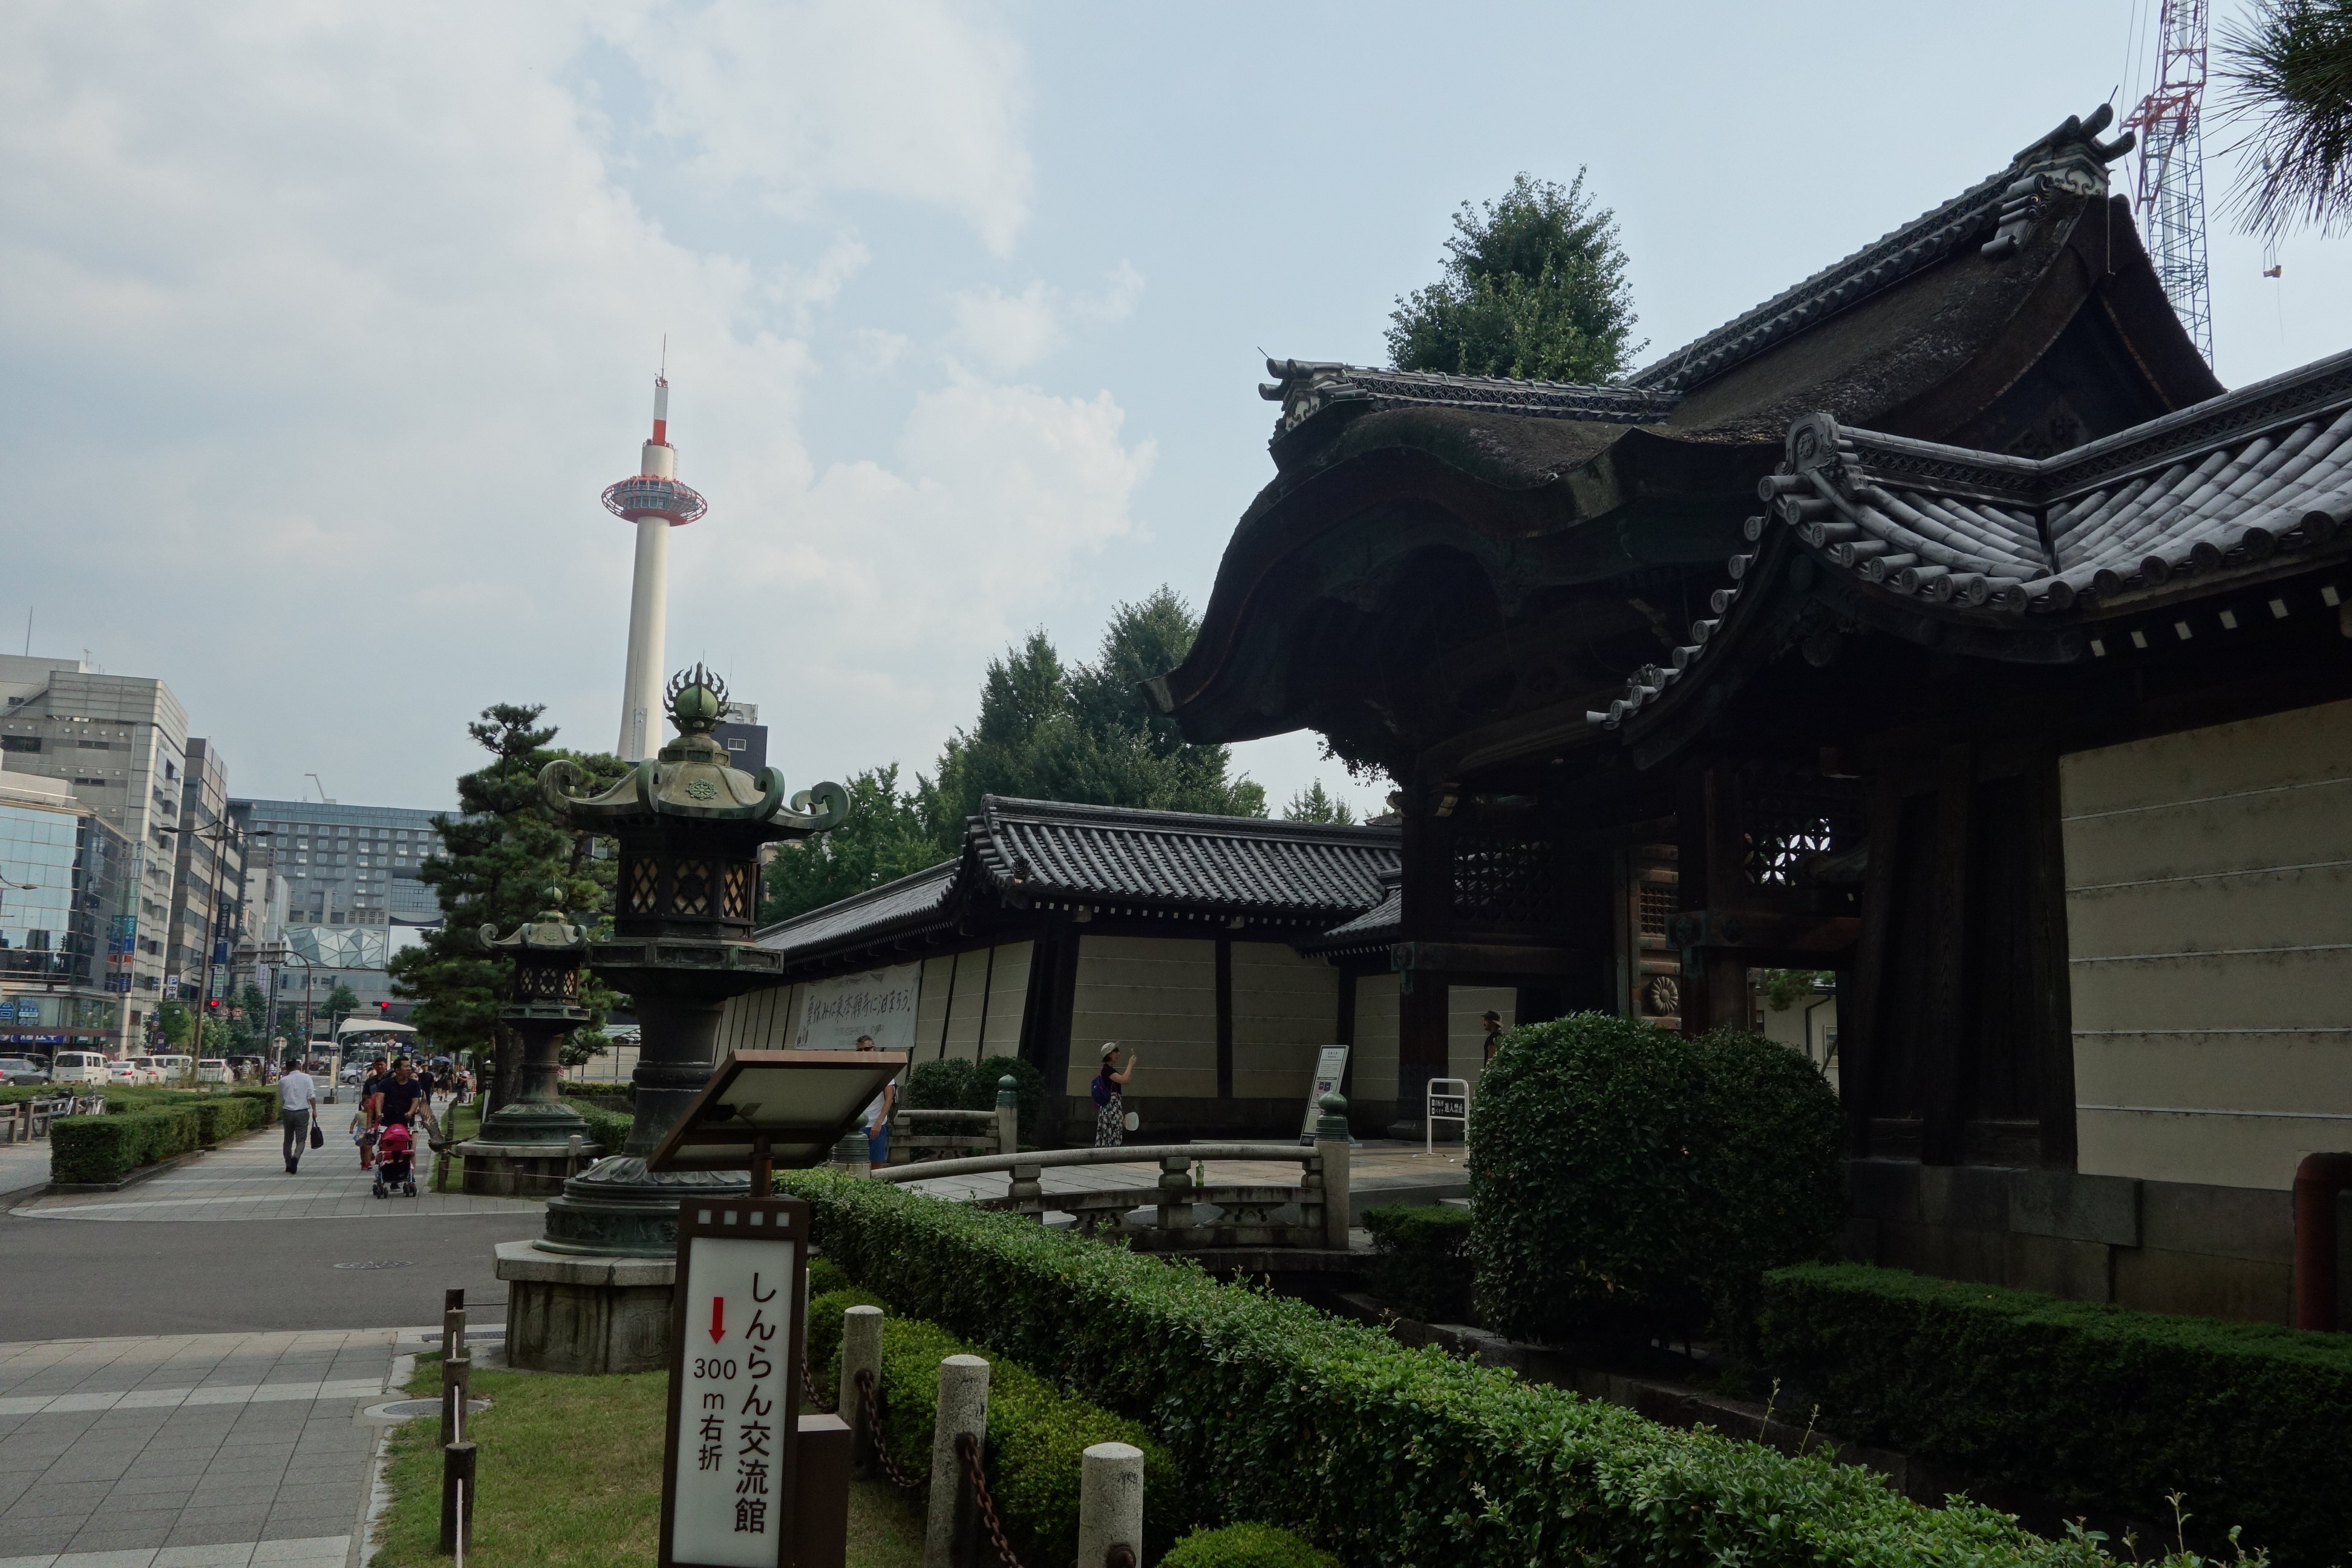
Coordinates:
(2171, 195)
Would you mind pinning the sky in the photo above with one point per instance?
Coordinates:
(326, 324)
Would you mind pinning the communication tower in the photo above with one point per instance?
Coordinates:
(657, 503)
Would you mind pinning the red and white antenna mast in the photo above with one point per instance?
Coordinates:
(2172, 196)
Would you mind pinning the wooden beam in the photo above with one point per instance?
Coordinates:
(1942, 1133)
(1489, 958)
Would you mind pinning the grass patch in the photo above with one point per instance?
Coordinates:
(570, 1474)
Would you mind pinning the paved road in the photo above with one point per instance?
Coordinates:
(188, 1451)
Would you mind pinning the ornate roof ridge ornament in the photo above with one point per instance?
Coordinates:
(690, 777)
(549, 932)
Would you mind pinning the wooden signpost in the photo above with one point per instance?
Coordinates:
(747, 1480)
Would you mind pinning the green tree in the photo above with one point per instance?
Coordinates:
(500, 852)
(1534, 289)
(342, 999)
(886, 838)
(176, 1021)
(2289, 72)
(1313, 804)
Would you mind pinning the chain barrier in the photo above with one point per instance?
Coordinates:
(809, 1394)
(968, 1450)
(904, 1480)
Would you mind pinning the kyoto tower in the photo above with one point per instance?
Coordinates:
(655, 502)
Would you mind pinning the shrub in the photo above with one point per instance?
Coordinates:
(1028, 1087)
(1247, 1545)
(825, 1275)
(1278, 1412)
(99, 1149)
(822, 1345)
(2083, 1402)
(949, 1083)
(944, 1084)
(608, 1130)
(1036, 1433)
(1624, 1177)
(1422, 1266)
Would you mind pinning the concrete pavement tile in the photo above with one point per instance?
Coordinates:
(122, 1532)
(301, 1551)
(139, 1483)
(67, 1497)
(47, 1560)
(236, 1554)
(108, 1554)
(39, 1538)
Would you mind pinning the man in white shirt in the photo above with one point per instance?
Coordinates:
(298, 1099)
(877, 1117)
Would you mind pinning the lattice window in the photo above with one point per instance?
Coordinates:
(645, 885)
(1786, 827)
(1502, 879)
(1657, 903)
(691, 893)
(735, 893)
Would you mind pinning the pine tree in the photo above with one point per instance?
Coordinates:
(1533, 289)
(1313, 804)
(501, 853)
(2289, 71)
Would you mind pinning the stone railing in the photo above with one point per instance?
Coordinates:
(1186, 1214)
(946, 1133)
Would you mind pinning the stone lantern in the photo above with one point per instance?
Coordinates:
(592, 1293)
(528, 1147)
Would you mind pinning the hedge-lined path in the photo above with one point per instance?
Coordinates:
(246, 1180)
(188, 1450)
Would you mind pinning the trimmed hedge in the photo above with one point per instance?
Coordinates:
(1422, 1263)
(1036, 1435)
(96, 1150)
(2088, 1403)
(1278, 1412)
(950, 1083)
(608, 1130)
(1628, 1181)
(1246, 1546)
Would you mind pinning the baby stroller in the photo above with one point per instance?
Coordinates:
(396, 1162)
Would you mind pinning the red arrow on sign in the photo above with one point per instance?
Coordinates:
(718, 1319)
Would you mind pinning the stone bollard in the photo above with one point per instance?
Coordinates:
(861, 1350)
(457, 1498)
(1111, 1504)
(1028, 1182)
(851, 1155)
(1332, 1144)
(951, 1533)
(1008, 1115)
(457, 1388)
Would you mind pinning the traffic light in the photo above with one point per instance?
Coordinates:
(383, 1007)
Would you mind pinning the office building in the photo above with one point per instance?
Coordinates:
(746, 739)
(207, 878)
(65, 876)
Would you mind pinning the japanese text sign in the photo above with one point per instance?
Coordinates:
(741, 1307)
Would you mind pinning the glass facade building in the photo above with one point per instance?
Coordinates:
(65, 934)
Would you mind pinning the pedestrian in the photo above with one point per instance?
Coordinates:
(397, 1098)
(877, 1117)
(1494, 1023)
(1110, 1098)
(297, 1101)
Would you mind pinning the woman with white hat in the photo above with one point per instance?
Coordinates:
(1110, 1112)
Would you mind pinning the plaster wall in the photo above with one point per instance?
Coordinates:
(1372, 1063)
(1008, 997)
(1286, 1008)
(931, 1006)
(760, 1020)
(1158, 994)
(2209, 900)
(972, 1003)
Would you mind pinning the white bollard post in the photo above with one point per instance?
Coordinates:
(861, 1350)
(1110, 1503)
(1008, 1115)
(954, 1522)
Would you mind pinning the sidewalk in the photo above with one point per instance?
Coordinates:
(188, 1451)
(247, 1180)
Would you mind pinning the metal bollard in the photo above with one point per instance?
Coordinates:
(951, 1532)
(1111, 1504)
(457, 1389)
(861, 1350)
(457, 1498)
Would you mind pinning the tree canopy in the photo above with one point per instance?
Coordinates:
(2289, 71)
(501, 853)
(1534, 289)
(1315, 804)
(1046, 730)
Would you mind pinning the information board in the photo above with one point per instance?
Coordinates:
(1330, 1072)
(878, 1001)
(728, 1467)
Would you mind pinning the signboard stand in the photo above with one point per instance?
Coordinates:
(1330, 1070)
(1449, 1101)
(745, 1482)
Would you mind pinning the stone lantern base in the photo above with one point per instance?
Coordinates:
(520, 1170)
(591, 1315)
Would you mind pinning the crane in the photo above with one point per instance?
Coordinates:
(2172, 194)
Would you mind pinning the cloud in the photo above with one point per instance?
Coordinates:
(325, 336)
(1010, 333)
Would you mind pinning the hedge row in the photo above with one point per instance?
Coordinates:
(1280, 1412)
(2088, 1403)
(102, 1149)
(1421, 1262)
(1036, 1435)
(608, 1130)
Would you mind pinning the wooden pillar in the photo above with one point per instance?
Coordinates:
(1224, 1016)
(1861, 1052)
(1426, 890)
(1421, 1043)
(1942, 1133)
(2053, 1048)
(1708, 877)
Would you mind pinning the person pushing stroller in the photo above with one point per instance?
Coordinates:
(396, 1100)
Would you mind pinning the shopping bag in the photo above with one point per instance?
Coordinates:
(318, 1136)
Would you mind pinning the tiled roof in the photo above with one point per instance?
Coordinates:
(2190, 503)
(1038, 854)
(1044, 850)
(1306, 387)
(1375, 927)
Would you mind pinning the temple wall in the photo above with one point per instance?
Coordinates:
(972, 1003)
(1156, 994)
(1372, 1071)
(2209, 898)
(760, 1020)
(1286, 1008)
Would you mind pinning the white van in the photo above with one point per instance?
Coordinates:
(212, 1069)
(78, 1067)
(173, 1069)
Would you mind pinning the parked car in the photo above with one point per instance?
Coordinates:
(173, 1069)
(212, 1069)
(79, 1067)
(18, 1072)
